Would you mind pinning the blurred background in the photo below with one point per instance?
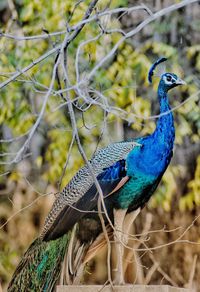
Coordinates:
(28, 188)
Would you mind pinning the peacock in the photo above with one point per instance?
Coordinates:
(128, 173)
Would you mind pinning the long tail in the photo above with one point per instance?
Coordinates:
(40, 266)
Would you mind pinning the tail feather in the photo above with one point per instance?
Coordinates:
(40, 266)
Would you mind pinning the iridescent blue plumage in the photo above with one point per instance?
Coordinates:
(114, 172)
(145, 165)
(128, 174)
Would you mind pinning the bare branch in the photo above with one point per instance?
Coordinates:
(34, 37)
(133, 32)
(35, 62)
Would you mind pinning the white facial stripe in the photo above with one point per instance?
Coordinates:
(169, 82)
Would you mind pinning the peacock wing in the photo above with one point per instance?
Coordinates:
(108, 165)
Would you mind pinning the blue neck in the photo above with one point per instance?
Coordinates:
(164, 131)
(152, 159)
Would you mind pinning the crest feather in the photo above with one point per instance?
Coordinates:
(160, 71)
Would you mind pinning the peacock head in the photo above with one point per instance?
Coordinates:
(167, 80)
(170, 80)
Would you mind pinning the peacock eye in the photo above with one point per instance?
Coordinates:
(169, 78)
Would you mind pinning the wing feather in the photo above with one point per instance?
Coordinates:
(82, 183)
(110, 180)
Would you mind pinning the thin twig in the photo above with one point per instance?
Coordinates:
(192, 273)
(66, 162)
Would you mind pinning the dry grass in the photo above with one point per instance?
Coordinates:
(176, 264)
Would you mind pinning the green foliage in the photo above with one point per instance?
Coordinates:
(123, 81)
(193, 196)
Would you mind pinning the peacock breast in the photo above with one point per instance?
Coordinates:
(135, 192)
(151, 159)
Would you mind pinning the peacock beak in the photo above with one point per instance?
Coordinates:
(179, 81)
